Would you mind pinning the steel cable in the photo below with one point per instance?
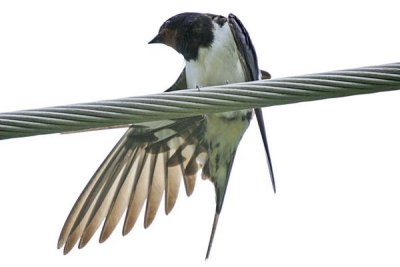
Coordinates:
(179, 104)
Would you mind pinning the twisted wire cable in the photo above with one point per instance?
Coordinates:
(179, 104)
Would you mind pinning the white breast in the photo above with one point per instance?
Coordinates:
(218, 64)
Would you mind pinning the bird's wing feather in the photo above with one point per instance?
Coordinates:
(180, 83)
(247, 52)
(150, 159)
(265, 75)
(249, 62)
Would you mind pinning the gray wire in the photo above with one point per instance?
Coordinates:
(179, 104)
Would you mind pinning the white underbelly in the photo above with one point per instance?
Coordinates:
(217, 65)
(217, 71)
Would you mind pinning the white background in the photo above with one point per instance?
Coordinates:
(336, 161)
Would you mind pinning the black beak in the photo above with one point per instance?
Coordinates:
(155, 40)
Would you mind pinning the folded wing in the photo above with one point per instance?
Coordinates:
(248, 58)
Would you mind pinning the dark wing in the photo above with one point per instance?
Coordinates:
(249, 61)
(180, 83)
(247, 52)
(150, 160)
(265, 75)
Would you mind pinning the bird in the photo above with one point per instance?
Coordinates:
(152, 158)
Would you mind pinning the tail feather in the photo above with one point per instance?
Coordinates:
(261, 126)
(214, 228)
(220, 180)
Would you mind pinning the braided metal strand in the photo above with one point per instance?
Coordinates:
(172, 105)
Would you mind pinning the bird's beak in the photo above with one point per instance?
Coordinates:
(156, 40)
(165, 36)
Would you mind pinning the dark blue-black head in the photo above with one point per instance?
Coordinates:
(186, 33)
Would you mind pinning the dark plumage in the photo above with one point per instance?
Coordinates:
(186, 33)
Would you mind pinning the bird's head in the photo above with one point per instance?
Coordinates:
(186, 33)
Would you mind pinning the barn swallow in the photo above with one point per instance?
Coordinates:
(151, 158)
